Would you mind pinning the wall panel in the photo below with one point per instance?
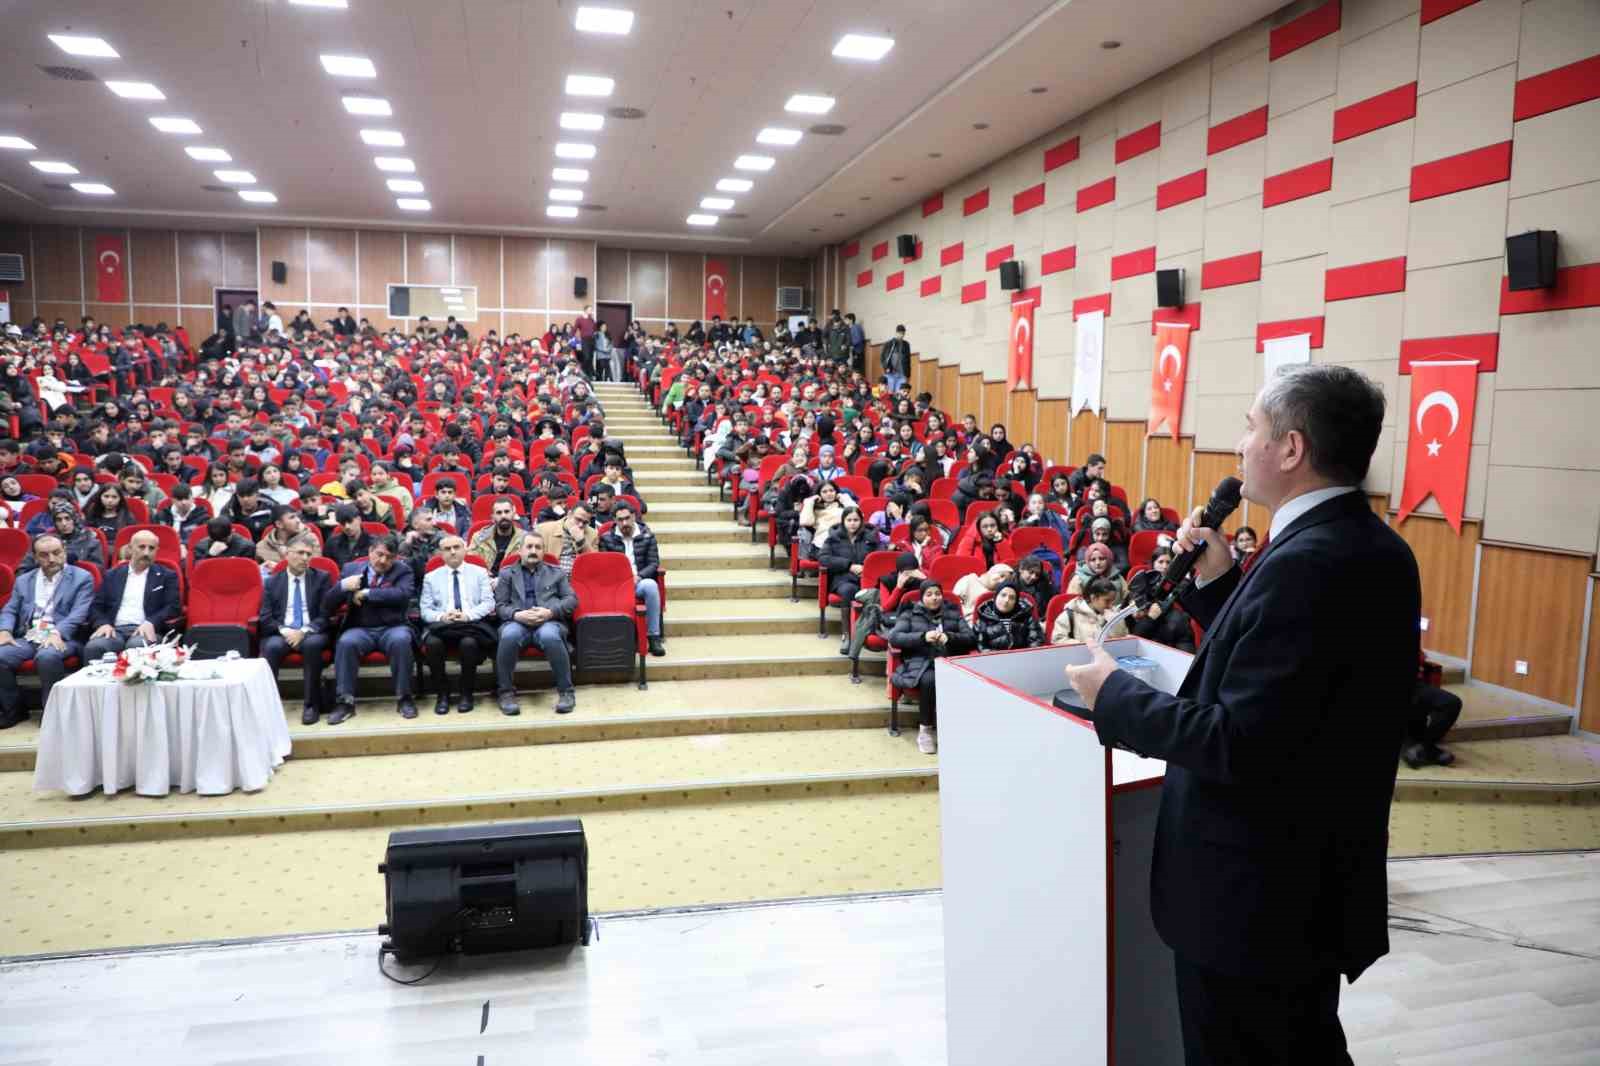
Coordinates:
(153, 266)
(759, 299)
(1087, 434)
(331, 270)
(569, 260)
(1589, 713)
(52, 310)
(1210, 468)
(1124, 452)
(478, 263)
(382, 264)
(969, 398)
(1166, 471)
(526, 323)
(994, 405)
(1051, 434)
(1445, 562)
(1530, 608)
(201, 322)
(685, 287)
(199, 267)
(428, 258)
(947, 394)
(239, 260)
(647, 280)
(1021, 416)
(58, 268)
(527, 273)
(611, 277)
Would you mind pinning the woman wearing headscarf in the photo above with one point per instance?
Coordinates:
(929, 629)
(1098, 561)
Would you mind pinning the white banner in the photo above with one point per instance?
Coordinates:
(1089, 361)
(1286, 351)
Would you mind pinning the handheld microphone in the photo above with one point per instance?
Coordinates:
(1224, 500)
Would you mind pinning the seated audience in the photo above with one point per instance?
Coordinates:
(1098, 562)
(458, 610)
(535, 604)
(924, 631)
(350, 540)
(181, 513)
(1244, 544)
(1033, 579)
(1085, 618)
(294, 618)
(1005, 621)
(1151, 520)
(633, 539)
(500, 540)
(970, 587)
(44, 620)
(136, 604)
(378, 592)
(1170, 627)
(570, 537)
(221, 541)
(286, 530)
(843, 555)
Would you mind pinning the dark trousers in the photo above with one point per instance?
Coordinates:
(50, 665)
(355, 644)
(1433, 712)
(472, 645)
(1242, 1021)
(275, 649)
(514, 636)
(927, 702)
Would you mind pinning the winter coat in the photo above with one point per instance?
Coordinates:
(839, 553)
(997, 632)
(1080, 624)
(917, 655)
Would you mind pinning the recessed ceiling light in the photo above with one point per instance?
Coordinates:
(571, 196)
(980, 125)
(935, 155)
(838, 214)
(135, 90)
(569, 174)
(589, 85)
(407, 203)
(10, 141)
(1038, 89)
(383, 138)
(701, 220)
(1110, 45)
(349, 66)
(614, 20)
(572, 150)
(397, 164)
(52, 168)
(257, 196)
(862, 46)
(320, 3)
(898, 177)
(235, 177)
(735, 185)
(754, 162)
(778, 135)
(404, 185)
(582, 120)
(174, 124)
(89, 47)
(561, 211)
(93, 188)
(208, 155)
(809, 105)
(368, 105)
(716, 203)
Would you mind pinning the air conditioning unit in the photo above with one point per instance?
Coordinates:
(791, 298)
(11, 268)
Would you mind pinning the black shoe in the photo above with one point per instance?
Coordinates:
(342, 711)
(12, 718)
(656, 647)
(566, 701)
(442, 704)
(1414, 756)
(309, 715)
(468, 702)
(407, 708)
(509, 704)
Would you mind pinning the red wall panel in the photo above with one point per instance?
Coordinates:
(1236, 131)
(1365, 279)
(1469, 170)
(1375, 112)
(1181, 190)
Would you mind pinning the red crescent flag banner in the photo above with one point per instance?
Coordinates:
(111, 273)
(1166, 377)
(1444, 395)
(1019, 362)
(717, 288)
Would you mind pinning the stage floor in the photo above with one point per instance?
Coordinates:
(1496, 961)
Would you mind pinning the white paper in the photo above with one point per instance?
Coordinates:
(1089, 361)
(1281, 352)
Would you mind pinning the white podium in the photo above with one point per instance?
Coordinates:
(1050, 954)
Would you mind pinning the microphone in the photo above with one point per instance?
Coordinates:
(1224, 500)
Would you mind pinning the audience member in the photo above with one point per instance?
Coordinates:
(377, 591)
(294, 619)
(458, 609)
(1085, 618)
(535, 604)
(136, 604)
(927, 630)
(633, 539)
(1005, 622)
(44, 620)
(1170, 626)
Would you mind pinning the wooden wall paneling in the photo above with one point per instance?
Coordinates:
(331, 271)
(874, 363)
(527, 323)
(970, 399)
(569, 260)
(686, 287)
(1085, 435)
(1051, 434)
(239, 261)
(477, 263)
(66, 312)
(526, 273)
(153, 255)
(1379, 505)
(428, 258)
(153, 314)
(1124, 454)
(14, 238)
(1020, 416)
(1589, 713)
(201, 322)
(994, 405)
(115, 315)
(947, 393)
(1445, 563)
(383, 263)
(1166, 471)
(58, 268)
(199, 269)
(1210, 468)
(1530, 607)
(759, 298)
(647, 281)
(286, 244)
(611, 282)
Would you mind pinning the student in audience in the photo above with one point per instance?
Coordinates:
(1006, 621)
(633, 539)
(221, 541)
(1085, 617)
(294, 619)
(983, 539)
(927, 543)
(1093, 469)
(570, 537)
(218, 490)
(108, 512)
(457, 608)
(249, 508)
(287, 529)
(819, 514)
(136, 604)
(501, 539)
(1032, 578)
(377, 593)
(350, 540)
(924, 631)
(971, 587)
(181, 513)
(843, 556)
(273, 488)
(421, 540)
(1098, 562)
(44, 620)
(535, 603)
(1151, 520)
(1170, 626)
(1038, 513)
(447, 508)
(1244, 544)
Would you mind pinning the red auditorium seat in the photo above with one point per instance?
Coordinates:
(603, 582)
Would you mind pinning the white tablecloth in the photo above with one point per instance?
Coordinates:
(208, 736)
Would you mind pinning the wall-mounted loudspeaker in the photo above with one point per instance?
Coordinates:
(1010, 275)
(280, 272)
(907, 245)
(1531, 259)
(1169, 287)
(580, 287)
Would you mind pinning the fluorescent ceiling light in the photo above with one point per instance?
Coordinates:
(778, 135)
(52, 168)
(174, 124)
(560, 211)
(383, 138)
(404, 185)
(582, 120)
(701, 220)
(570, 195)
(89, 47)
(569, 174)
(861, 46)
(257, 196)
(716, 203)
(209, 155)
(614, 20)
(349, 66)
(571, 150)
(320, 3)
(809, 105)
(135, 90)
(395, 164)
(9, 141)
(406, 203)
(753, 162)
(93, 188)
(235, 177)
(367, 105)
(735, 185)
(589, 85)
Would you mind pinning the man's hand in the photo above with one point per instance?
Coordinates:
(526, 615)
(147, 631)
(6, 638)
(1217, 560)
(359, 597)
(103, 631)
(1088, 678)
(217, 547)
(53, 642)
(292, 637)
(351, 583)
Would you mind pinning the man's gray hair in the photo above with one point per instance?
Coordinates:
(1337, 410)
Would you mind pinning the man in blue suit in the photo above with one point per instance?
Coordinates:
(136, 603)
(378, 591)
(43, 621)
(294, 618)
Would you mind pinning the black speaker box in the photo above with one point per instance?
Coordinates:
(1011, 274)
(580, 287)
(280, 271)
(907, 245)
(1169, 287)
(1531, 259)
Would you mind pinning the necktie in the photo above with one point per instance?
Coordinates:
(297, 607)
(455, 579)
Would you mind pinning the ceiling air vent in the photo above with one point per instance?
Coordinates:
(591, 207)
(59, 186)
(625, 113)
(827, 129)
(217, 188)
(735, 214)
(69, 73)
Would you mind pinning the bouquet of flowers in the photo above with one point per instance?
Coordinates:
(153, 662)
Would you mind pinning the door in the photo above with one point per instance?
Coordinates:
(616, 314)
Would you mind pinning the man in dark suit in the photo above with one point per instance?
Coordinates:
(1282, 743)
(378, 591)
(294, 619)
(136, 604)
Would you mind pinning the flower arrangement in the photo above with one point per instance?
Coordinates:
(153, 662)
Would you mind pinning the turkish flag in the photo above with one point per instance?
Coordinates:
(110, 269)
(716, 288)
(1019, 361)
(1444, 395)
(1166, 377)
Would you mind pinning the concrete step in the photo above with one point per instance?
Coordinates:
(675, 532)
(733, 585)
(682, 558)
(684, 493)
(689, 511)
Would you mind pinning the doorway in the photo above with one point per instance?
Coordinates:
(223, 303)
(616, 314)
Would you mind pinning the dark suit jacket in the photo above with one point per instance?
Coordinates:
(1281, 749)
(386, 605)
(551, 590)
(275, 602)
(161, 604)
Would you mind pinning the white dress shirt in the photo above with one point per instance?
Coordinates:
(438, 593)
(44, 590)
(1292, 510)
(627, 545)
(131, 611)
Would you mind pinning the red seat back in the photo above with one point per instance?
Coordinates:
(1058, 603)
(1142, 547)
(604, 584)
(225, 592)
(948, 569)
(14, 545)
(1026, 538)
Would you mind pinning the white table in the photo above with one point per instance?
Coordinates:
(206, 736)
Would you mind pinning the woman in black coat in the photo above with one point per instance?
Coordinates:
(844, 554)
(924, 631)
(1006, 622)
(1170, 627)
